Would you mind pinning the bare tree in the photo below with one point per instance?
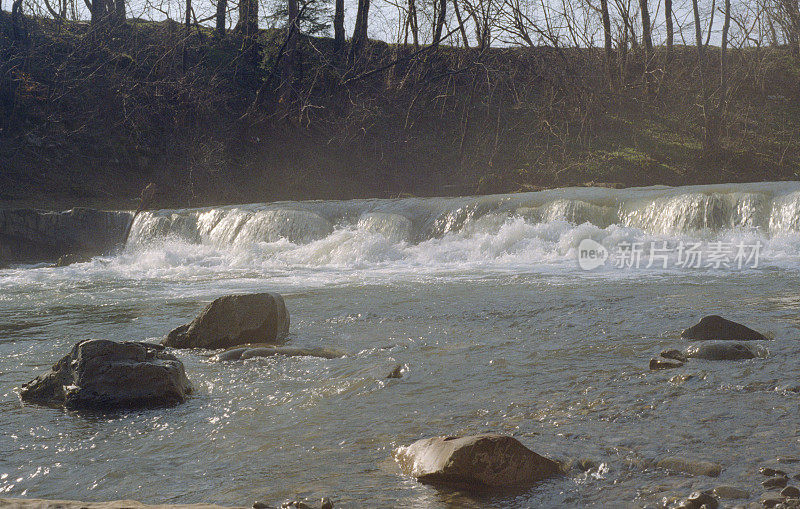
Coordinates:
(248, 17)
(338, 26)
(670, 27)
(360, 31)
(439, 24)
(222, 10)
(647, 38)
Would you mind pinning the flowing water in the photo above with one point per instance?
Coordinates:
(483, 300)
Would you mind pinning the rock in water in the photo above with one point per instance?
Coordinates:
(475, 462)
(656, 364)
(717, 328)
(720, 351)
(106, 375)
(248, 352)
(234, 320)
(690, 466)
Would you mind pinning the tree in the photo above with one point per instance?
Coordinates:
(439, 26)
(670, 28)
(607, 37)
(248, 17)
(338, 26)
(698, 32)
(360, 31)
(222, 9)
(647, 38)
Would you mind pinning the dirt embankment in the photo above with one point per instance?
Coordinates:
(90, 123)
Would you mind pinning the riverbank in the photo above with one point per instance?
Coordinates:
(87, 123)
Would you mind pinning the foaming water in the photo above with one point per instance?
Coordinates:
(481, 298)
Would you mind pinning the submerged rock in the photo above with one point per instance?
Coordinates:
(731, 492)
(656, 364)
(720, 351)
(776, 482)
(69, 259)
(717, 328)
(248, 352)
(690, 466)
(234, 320)
(476, 462)
(398, 371)
(103, 374)
(790, 492)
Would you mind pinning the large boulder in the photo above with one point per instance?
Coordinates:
(235, 320)
(475, 462)
(106, 375)
(720, 351)
(717, 328)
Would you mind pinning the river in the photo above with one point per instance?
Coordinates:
(481, 298)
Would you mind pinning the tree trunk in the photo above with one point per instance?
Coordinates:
(290, 55)
(723, 71)
(607, 37)
(338, 26)
(17, 20)
(413, 22)
(119, 12)
(222, 11)
(437, 34)
(670, 28)
(460, 24)
(248, 17)
(360, 30)
(647, 38)
(698, 33)
(98, 12)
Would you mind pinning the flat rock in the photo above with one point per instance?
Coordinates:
(717, 328)
(476, 462)
(248, 352)
(106, 375)
(690, 466)
(720, 351)
(235, 320)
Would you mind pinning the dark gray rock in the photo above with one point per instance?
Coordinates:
(28, 235)
(717, 328)
(771, 472)
(106, 375)
(720, 351)
(235, 320)
(475, 463)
